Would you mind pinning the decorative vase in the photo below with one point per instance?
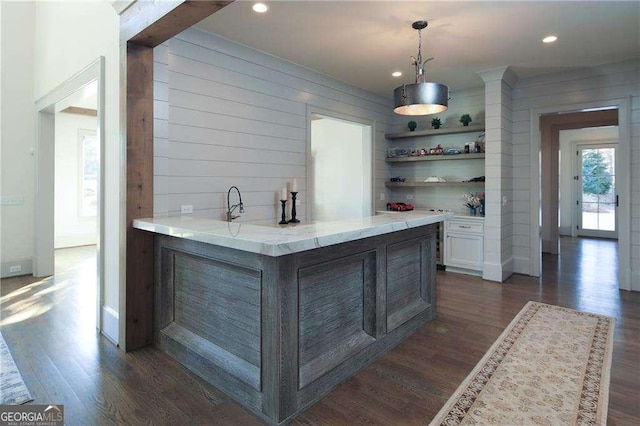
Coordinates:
(465, 123)
(412, 125)
(472, 211)
(435, 126)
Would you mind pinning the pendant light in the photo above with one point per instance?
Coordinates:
(422, 97)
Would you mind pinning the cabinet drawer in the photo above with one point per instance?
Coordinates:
(467, 226)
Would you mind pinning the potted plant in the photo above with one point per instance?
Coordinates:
(465, 119)
(436, 123)
(412, 125)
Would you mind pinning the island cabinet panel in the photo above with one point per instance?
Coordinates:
(336, 318)
(407, 281)
(229, 294)
(277, 333)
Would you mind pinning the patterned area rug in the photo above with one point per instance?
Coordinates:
(13, 391)
(550, 366)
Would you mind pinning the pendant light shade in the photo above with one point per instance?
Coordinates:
(422, 97)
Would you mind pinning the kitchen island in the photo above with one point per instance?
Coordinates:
(277, 316)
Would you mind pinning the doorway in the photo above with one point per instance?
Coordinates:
(340, 169)
(543, 173)
(596, 190)
(89, 182)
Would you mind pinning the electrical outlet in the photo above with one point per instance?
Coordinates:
(15, 269)
(504, 200)
(382, 196)
(409, 197)
(186, 209)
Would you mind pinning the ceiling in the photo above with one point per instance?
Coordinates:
(363, 42)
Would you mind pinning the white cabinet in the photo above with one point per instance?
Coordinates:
(464, 244)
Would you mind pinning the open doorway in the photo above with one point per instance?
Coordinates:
(69, 183)
(340, 169)
(546, 126)
(588, 195)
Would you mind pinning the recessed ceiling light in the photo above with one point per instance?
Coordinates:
(396, 73)
(549, 39)
(260, 7)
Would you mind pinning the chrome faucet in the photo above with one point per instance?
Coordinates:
(230, 208)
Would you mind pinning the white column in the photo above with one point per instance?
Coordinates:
(498, 230)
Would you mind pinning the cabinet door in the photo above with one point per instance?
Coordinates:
(464, 251)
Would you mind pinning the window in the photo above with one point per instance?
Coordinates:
(89, 167)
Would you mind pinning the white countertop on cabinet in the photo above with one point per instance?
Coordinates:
(279, 240)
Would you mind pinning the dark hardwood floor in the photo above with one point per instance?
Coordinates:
(49, 327)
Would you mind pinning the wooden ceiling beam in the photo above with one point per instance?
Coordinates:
(81, 111)
(151, 23)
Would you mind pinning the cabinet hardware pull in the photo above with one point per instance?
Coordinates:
(464, 226)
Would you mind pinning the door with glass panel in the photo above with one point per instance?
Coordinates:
(596, 189)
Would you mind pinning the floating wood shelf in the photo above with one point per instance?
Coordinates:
(435, 158)
(434, 132)
(431, 184)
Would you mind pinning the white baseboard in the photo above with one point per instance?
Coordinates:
(110, 327)
(632, 284)
(521, 265)
(66, 241)
(498, 272)
(21, 266)
(464, 271)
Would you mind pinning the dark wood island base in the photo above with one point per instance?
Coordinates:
(279, 333)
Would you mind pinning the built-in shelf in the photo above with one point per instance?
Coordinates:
(435, 158)
(432, 184)
(436, 132)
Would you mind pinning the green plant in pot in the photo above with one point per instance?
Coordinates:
(412, 125)
(436, 123)
(465, 119)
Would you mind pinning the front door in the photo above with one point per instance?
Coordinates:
(596, 184)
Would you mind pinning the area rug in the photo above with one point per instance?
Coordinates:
(550, 366)
(13, 391)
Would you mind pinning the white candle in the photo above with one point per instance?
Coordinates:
(283, 194)
(294, 185)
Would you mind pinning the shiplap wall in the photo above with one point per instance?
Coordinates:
(231, 115)
(470, 101)
(161, 130)
(592, 86)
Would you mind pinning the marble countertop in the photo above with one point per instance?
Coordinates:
(279, 240)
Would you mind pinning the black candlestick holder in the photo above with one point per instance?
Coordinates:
(283, 220)
(293, 208)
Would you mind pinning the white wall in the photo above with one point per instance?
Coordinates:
(230, 115)
(587, 86)
(57, 39)
(339, 156)
(70, 228)
(17, 135)
(568, 139)
(470, 102)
